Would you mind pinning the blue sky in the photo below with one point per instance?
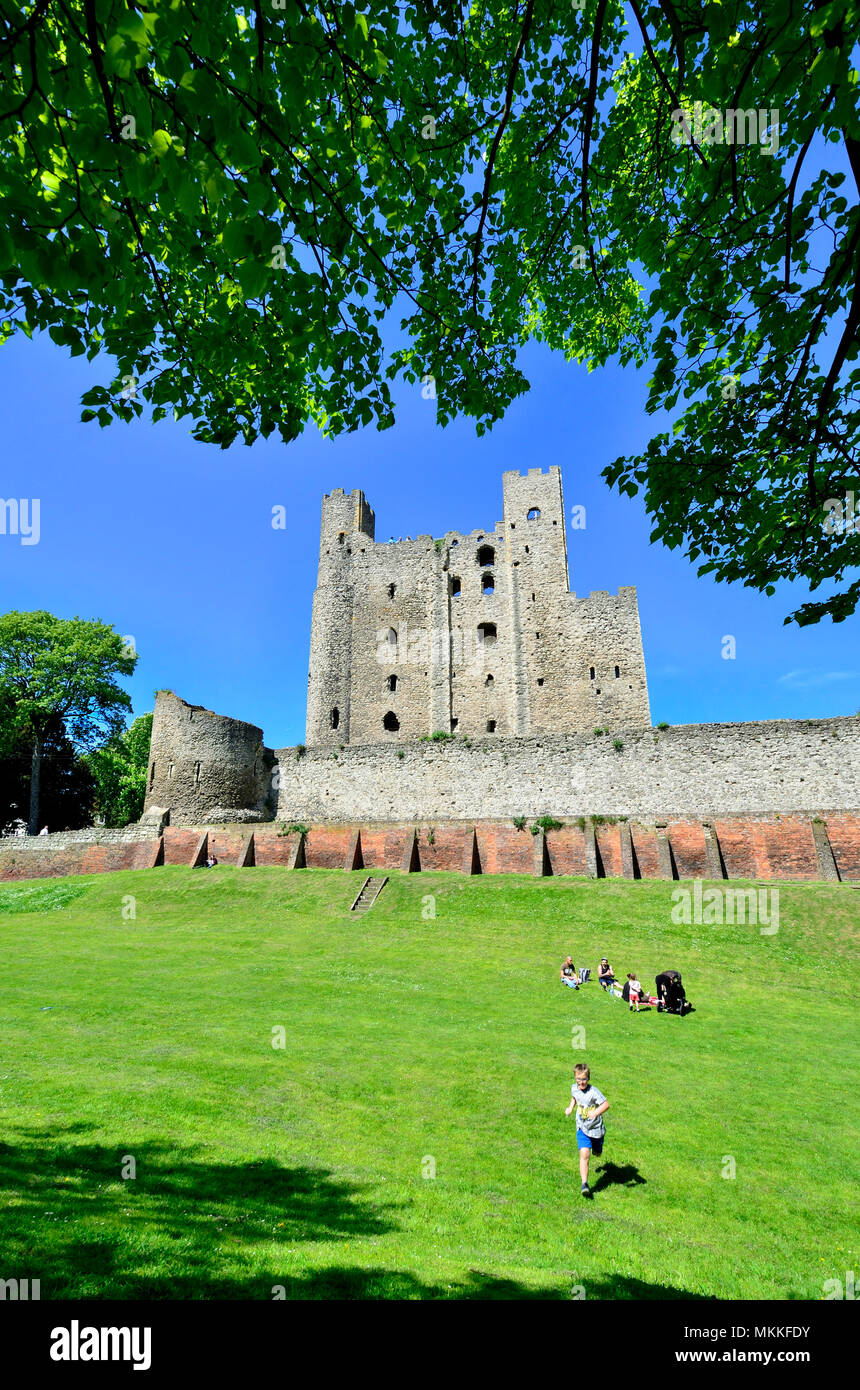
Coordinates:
(171, 541)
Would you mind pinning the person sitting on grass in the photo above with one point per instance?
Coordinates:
(211, 861)
(634, 992)
(590, 1106)
(605, 975)
(568, 974)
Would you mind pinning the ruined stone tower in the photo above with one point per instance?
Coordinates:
(477, 634)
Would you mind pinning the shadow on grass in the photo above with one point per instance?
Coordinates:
(618, 1175)
(69, 1219)
(183, 1228)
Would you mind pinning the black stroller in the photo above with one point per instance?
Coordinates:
(671, 993)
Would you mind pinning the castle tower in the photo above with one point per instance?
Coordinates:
(347, 523)
(475, 635)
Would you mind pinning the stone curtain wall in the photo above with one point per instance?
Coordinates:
(695, 770)
(784, 848)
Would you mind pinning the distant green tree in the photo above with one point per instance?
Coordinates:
(67, 787)
(60, 672)
(119, 772)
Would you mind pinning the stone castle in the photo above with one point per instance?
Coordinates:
(457, 689)
(474, 634)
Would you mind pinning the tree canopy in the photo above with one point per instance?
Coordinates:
(119, 769)
(58, 677)
(267, 214)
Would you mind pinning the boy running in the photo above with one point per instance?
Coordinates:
(590, 1105)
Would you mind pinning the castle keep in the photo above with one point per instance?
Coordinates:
(457, 690)
(475, 634)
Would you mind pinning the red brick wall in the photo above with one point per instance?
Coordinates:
(566, 848)
(843, 833)
(752, 847)
(688, 846)
(645, 848)
(272, 849)
(785, 848)
(179, 845)
(503, 849)
(449, 845)
(326, 846)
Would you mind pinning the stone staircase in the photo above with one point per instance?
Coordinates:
(370, 891)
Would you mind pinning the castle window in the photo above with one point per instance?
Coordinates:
(488, 584)
(334, 717)
(527, 550)
(533, 598)
(597, 692)
(391, 589)
(341, 537)
(617, 673)
(486, 555)
(197, 774)
(540, 680)
(456, 587)
(591, 672)
(534, 514)
(453, 543)
(390, 722)
(152, 775)
(491, 726)
(488, 681)
(487, 633)
(170, 772)
(392, 642)
(392, 683)
(454, 723)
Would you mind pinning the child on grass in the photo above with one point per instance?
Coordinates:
(590, 1105)
(635, 991)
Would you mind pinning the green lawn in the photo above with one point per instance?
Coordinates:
(409, 1043)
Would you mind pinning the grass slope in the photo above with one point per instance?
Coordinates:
(410, 1040)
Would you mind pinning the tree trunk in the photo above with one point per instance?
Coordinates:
(35, 779)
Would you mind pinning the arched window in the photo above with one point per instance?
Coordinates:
(341, 537)
(391, 590)
(534, 514)
(391, 683)
(392, 642)
(486, 555)
(617, 673)
(488, 681)
(488, 585)
(390, 722)
(453, 543)
(487, 633)
(335, 717)
(456, 587)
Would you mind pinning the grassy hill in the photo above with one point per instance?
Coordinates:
(411, 1044)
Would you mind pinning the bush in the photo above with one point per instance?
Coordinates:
(519, 822)
(545, 824)
(300, 751)
(662, 724)
(617, 744)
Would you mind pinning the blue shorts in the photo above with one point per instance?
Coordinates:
(585, 1141)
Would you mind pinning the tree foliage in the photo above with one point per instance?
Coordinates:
(265, 214)
(119, 769)
(58, 675)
